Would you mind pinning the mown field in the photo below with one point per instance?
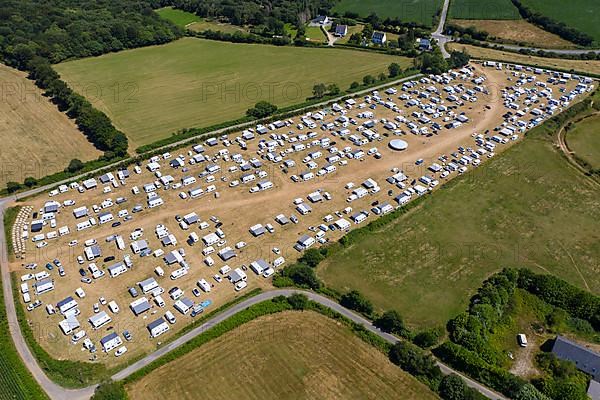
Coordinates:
(178, 17)
(490, 9)
(586, 66)
(582, 15)
(419, 11)
(38, 139)
(526, 208)
(204, 25)
(517, 31)
(151, 92)
(584, 140)
(290, 355)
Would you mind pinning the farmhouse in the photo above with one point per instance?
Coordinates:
(585, 359)
(99, 320)
(379, 38)
(158, 327)
(341, 30)
(139, 306)
(110, 342)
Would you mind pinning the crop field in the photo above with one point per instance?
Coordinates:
(527, 208)
(516, 31)
(38, 139)
(152, 92)
(289, 355)
(178, 17)
(580, 14)
(204, 25)
(584, 140)
(587, 66)
(491, 9)
(419, 11)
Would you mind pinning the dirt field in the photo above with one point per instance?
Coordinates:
(237, 210)
(37, 138)
(291, 355)
(576, 65)
(518, 31)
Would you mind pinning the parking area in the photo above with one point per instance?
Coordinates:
(113, 266)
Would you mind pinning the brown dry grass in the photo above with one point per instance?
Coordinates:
(37, 139)
(292, 355)
(576, 65)
(518, 31)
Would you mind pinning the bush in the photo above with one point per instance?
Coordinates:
(428, 338)
(391, 322)
(416, 362)
(302, 275)
(110, 390)
(354, 300)
(312, 257)
(452, 387)
(13, 186)
(75, 165)
(298, 301)
(261, 109)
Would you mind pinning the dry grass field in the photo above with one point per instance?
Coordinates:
(292, 355)
(37, 139)
(519, 31)
(576, 65)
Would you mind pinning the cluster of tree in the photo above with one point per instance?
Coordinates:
(452, 387)
(93, 123)
(471, 329)
(354, 300)
(473, 365)
(243, 37)
(391, 322)
(262, 109)
(110, 391)
(320, 90)
(561, 379)
(559, 293)
(559, 28)
(416, 362)
(63, 29)
(267, 16)
(297, 274)
(434, 63)
(469, 31)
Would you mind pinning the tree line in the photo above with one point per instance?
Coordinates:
(559, 28)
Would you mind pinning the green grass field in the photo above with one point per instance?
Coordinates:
(16, 383)
(526, 208)
(419, 11)
(584, 140)
(204, 25)
(315, 34)
(582, 15)
(490, 9)
(287, 356)
(152, 92)
(178, 17)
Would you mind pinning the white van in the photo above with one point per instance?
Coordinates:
(112, 306)
(159, 271)
(522, 339)
(159, 301)
(170, 317)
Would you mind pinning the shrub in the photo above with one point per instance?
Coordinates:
(391, 322)
(354, 300)
(110, 391)
(416, 362)
(428, 338)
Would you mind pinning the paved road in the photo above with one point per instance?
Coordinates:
(438, 33)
